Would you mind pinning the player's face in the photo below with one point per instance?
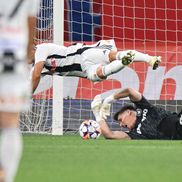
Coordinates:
(127, 119)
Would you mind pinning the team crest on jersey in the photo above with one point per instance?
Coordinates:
(139, 112)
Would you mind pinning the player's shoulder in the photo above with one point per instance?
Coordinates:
(141, 100)
(108, 41)
(44, 46)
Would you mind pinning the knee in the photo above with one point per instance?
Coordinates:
(112, 55)
(96, 75)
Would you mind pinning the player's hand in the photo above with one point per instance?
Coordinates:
(105, 110)
(106, 105)
(96, 104)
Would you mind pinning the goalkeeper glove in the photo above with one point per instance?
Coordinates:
(105, 108)
(95, 106)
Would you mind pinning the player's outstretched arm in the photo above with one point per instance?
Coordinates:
(36, 74)
(31, 32)
(109, 134)
(122, 93)
(96, 105)
(133, 94)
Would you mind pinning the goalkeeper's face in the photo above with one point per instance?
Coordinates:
(127, 119)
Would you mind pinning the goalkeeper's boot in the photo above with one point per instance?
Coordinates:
(128, 59)
(154, 62)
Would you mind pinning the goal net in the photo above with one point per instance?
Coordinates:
(150, 26)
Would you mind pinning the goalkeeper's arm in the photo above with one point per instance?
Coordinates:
(109, 134)
(133, 95)
(123, 93)
(105, 130)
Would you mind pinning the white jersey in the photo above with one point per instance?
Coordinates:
(14, 86)
(73, 60)
(13, 25)
(98, 55)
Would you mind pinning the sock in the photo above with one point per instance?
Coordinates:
(10, 151)
(113, 67)
(139, 57)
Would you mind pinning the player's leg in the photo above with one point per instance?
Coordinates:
(2, 175)
(100, 72)
(13, 97)
(136, 56)
(10, 145)
(112, 68)
(98, 64)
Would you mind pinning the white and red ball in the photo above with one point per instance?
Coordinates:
(89, 129)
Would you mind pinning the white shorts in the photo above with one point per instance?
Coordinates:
(94, 56)
(15, 92)
(92, 59)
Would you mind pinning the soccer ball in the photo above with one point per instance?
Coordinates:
(89, 129)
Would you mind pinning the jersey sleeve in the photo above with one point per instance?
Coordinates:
(135, 135)
(143, 102)
(42, 52)
(46, 49)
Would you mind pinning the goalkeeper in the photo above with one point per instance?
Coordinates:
(141, 119)
(94, 62)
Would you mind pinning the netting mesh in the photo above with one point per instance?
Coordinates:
(149, 26)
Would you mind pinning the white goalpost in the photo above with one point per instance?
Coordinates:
(60, 104)
(38, 119)
(58, 38)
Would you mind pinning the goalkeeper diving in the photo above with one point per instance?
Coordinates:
(140, 119)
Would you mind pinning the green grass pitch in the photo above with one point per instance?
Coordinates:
(70, 159)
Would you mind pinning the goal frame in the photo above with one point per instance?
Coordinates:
(58, 38)
(60, 104)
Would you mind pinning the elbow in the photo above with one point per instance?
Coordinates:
(129, 90)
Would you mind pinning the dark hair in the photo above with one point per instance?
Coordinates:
(124, 108)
